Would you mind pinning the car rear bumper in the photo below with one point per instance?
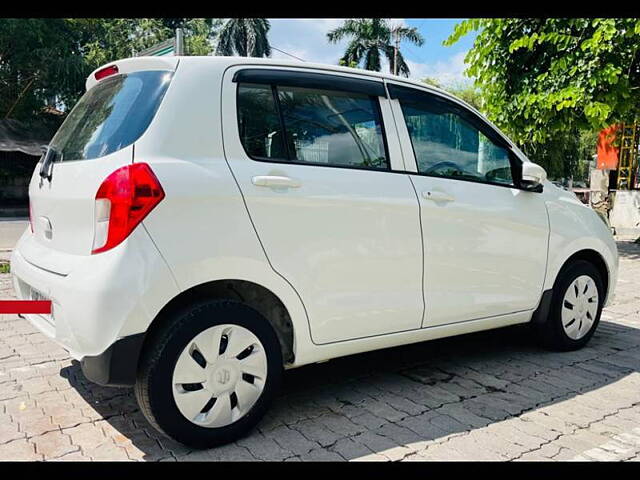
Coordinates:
(104, 298)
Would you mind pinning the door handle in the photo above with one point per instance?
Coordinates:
(275, 181)
(438, 196)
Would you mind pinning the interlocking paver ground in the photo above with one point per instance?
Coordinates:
(487, 396)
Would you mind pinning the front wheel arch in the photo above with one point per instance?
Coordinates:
(593, 258)
(541, 314)
(551, 330)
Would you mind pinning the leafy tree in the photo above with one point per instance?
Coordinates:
(434, 82)
(107, 40)
(343, 63)
(463, 91)
(371, 37)
(544, 78)
(246, 37)
(200, 34)
(112, 39)
(40, 60)
(468, 93)
(44, 62)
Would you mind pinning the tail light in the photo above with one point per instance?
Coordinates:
(123, 200)
(106, 71)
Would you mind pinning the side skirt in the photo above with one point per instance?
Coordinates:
(308, 353)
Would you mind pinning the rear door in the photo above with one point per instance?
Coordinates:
(96, 138)
(308, 151)
(485, 240)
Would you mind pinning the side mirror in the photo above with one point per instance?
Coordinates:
(533, 175)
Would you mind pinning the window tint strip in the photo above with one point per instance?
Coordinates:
(310, 80)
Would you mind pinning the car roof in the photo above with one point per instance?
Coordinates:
(230, 60)
(134, 63)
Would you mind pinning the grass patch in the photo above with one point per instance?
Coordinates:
(5, 267)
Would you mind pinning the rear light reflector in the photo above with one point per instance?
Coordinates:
(106, 71)
(123, 200)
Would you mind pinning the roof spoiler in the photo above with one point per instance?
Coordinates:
(129, 65)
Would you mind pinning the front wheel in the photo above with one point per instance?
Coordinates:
(576, 306)
(209, 374)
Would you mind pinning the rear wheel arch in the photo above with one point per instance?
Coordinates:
(260, 298)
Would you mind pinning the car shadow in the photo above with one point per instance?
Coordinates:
(629, 250)
(430, 390)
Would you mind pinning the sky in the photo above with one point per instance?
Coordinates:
(306, 38)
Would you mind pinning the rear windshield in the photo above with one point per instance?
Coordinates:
(110, 116)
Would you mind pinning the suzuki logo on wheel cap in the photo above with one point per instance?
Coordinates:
(223, 376)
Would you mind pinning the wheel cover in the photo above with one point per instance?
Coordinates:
(219, 376)
(579, 307)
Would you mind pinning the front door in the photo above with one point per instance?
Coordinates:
(485, 240)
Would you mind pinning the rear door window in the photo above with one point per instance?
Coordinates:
(259, 122)
(110, 116)
(309, 125)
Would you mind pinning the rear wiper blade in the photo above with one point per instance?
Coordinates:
(47, 163)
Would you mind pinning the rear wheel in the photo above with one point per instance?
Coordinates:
(576, 307)
(208, 376)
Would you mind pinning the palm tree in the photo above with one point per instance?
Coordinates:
(246, 37)
(370, 37)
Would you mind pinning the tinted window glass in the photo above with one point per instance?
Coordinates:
(331, 127)
(110, 116)
(446, 144)
(258, 122)
(320, 126)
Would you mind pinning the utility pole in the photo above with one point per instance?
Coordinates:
(179, 45)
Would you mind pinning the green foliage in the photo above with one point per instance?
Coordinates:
(369, 38)
(351, 64)
(114, 38)
(464, 91)
(246, 37)
(543, 78)
(565, 155)
(434, 82)
(39, 59)
(45, 62)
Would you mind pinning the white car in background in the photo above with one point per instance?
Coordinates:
(202, 223)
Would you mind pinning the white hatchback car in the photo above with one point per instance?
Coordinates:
(201, 223)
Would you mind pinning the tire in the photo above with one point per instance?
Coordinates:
(172, 369)
(581, 324)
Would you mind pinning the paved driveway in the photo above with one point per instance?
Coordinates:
(486, 396)
(10, 231)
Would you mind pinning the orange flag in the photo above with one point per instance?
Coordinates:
(607, 153)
